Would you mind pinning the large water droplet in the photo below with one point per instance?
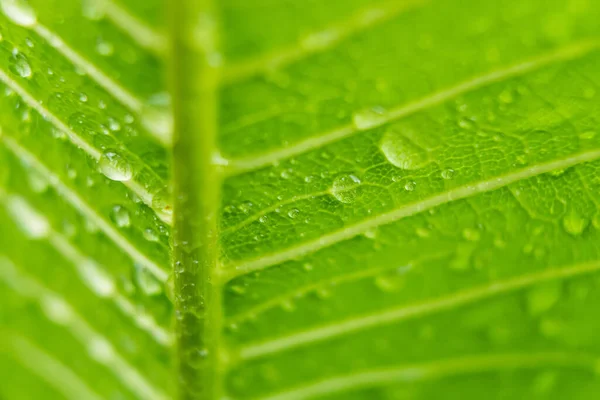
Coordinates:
(369, 118)
(161, 201)
(120, 216)
(344, 188)
(19, 12)
(115, 167)
(147, 282)
(402, 152)
(19, 64)
(543, 297)
(574, 223)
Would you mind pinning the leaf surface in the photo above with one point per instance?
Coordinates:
(293, 200)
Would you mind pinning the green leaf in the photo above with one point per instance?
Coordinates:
(346, 199)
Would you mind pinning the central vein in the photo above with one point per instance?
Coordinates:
(193, 74)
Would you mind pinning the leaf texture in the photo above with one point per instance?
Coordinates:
(299, 199)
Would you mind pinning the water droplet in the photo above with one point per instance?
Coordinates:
(114, 125)
(263, 219)
(83, 97)
(543, 297)
(146, 281)
(19, 12)
(97, 279)
(293, 213)
(115, 167)
(369, 118)
(402, 152)
(574, 223)
(344, 188)
(392, 281)
(104, 48)
(506, 96)
(150, 235)
(307, 267)
(448, 173)
(410, 186)
(120, 216)
(33, 224)
(19, 64)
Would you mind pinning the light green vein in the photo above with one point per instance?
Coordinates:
(437, 369)
(49, 369)
(136, 187)
(572, 51)
(382, 317)
(462, 192)
(316, 42)
(71, 197)
(61, 312)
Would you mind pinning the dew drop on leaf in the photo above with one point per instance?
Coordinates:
(19, 12)
(150, 235)
(448, 173)
(402, 152)
(115, 167)
(146, 281)
(293, 213)
(19, 64)
(574, 223)
(410, 186)
(120, 216)
(543, 297)
(344, 187)
(369, 118)
(161, 201)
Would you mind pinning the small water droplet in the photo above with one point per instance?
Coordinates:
(402, 152)
(19, 12)
(146, 281)
(150, 235)
(120, 216)
(506, 96)
(293, 213)
(448, 173)
(574, 223)
(104, 48)
(19, 64)
(410, 186)
(543, 297)
(115, 167)
(83, 97)
(344, 188)
(369, 118)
